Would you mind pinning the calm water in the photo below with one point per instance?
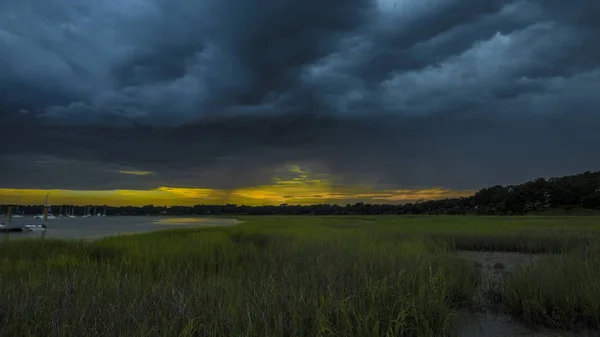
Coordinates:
(96, 227)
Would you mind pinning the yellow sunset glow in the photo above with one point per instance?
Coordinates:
(260, 195)
(301, 189)
(135, 173)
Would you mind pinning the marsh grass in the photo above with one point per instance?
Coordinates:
(229, 283)
(560, 291)
(294, 276)
(537, 235)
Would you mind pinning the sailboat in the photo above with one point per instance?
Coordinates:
(70, 213)
(18, 215)
(7, 227)
(100, 214)
(36, 228)
(45, 216)
(86, 213)
(47, 213)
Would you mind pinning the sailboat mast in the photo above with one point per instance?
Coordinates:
(46, 206)
(9, 215)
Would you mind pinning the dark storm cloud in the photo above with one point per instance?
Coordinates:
(459, 152)
(458, 93)
(172, 62)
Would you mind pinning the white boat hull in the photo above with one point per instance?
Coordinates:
(41, 217)
(35, 228)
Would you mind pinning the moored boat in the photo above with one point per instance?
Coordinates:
(41, 216)
(37, 228)
(46, 215)
(4, 228)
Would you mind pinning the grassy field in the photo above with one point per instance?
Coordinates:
(298, 276)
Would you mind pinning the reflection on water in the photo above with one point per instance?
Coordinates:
(23, 235)
(96, 227)
(189, 221)
(26, 234)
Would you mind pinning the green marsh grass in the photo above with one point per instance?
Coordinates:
(272, 276)
(230, 282)
(560, 291)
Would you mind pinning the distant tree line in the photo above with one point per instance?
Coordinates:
(568, 192)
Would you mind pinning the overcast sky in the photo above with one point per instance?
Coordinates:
(221, 93)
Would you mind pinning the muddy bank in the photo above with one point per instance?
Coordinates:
(488, 317)
(495, 266)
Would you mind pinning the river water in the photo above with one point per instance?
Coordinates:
(97, 227)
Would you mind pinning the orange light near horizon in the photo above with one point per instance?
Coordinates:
(300, 187)
(261, 195)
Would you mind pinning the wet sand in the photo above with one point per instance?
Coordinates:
(97, 227)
